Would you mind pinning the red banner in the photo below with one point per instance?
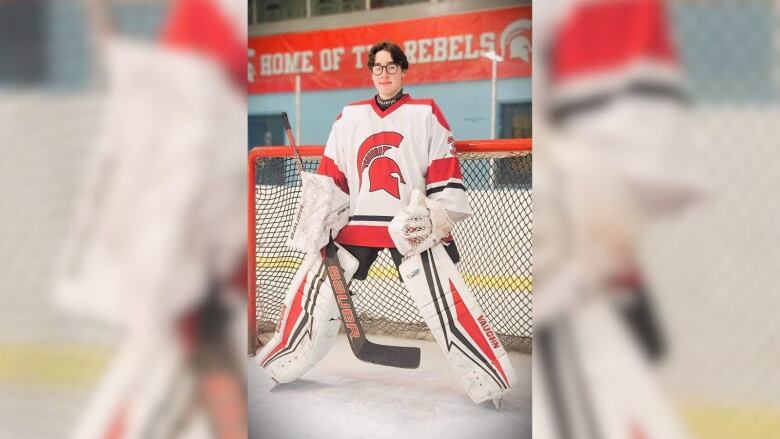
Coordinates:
(439, 49)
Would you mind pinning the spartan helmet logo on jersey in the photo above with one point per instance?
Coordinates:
(383, 172)
(515, 40)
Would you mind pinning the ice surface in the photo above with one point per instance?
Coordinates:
(345, 398)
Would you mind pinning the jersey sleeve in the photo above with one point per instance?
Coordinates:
(444, 180)
(624, 99)
(332, 162)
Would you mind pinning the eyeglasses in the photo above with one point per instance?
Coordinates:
(377, 69)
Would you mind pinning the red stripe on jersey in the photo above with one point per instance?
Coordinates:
(295, 311)
(434, 109)
(203, 27)
(329, 168)
(470, 325)
(366, 236)
(443, 169)
(603, 35)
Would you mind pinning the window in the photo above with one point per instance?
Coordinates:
(267, 130)
(266, 11)
(327, 7)
(375, 4)
(515, 123)
(515, 120)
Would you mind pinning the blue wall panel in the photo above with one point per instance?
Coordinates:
(466, 105)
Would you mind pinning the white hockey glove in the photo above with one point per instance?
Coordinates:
(323, 210)
(420, 225)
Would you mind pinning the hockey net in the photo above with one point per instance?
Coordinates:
(494, 245)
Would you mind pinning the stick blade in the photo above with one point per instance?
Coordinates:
(405, 357)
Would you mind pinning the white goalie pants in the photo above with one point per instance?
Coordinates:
(458, 324)
(309, 320)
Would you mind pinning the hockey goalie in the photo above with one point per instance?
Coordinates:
(387, 183)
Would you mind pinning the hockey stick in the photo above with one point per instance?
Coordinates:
(395, 356)
(288, 131)
(406, 357)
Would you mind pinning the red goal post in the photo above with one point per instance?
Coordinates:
(489, 274)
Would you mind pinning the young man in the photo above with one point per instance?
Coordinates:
(383, 154)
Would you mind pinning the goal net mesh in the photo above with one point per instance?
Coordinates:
(494, 245)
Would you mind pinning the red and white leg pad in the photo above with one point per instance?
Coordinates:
(309, 320)
(458, 324)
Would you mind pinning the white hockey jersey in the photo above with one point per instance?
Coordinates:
(378, 158)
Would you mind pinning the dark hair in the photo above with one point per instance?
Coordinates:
(399, 57)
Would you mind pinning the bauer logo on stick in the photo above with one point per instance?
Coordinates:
(343, 301)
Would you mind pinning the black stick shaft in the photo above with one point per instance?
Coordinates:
(288, 131)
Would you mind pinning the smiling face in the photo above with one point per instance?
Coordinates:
(387, 85)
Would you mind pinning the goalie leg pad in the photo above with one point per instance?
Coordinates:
(309, 320)
(458, 324)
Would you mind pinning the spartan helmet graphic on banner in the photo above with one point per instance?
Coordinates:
(515, 40)
(383, 172)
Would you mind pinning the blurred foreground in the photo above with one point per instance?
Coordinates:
(123, 135)
(654, 222)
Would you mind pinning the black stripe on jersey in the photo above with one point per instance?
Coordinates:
(445, 186)
(298, 333)
(371, 218)
(649, 88)
(480, 358)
